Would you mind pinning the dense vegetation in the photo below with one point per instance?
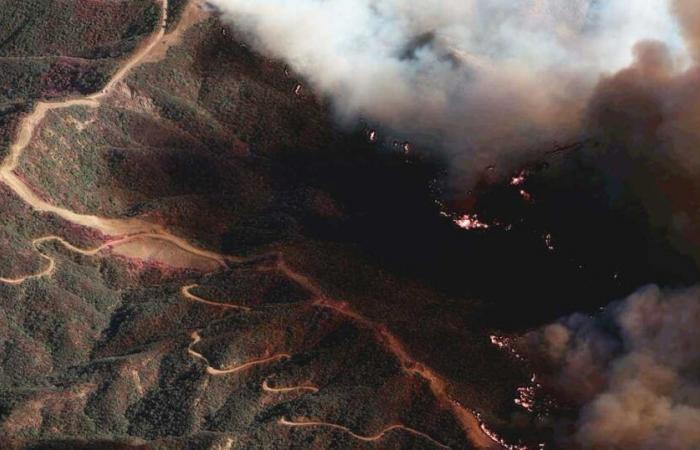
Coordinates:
(81, 29)
(55, 48)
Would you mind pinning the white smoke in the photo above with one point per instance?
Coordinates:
(635, 371)
(477, 77)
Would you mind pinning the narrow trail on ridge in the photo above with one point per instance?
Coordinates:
(186, 292)
(467, 419)
(376, 437)
(51, 266)
(283, 390)
(196, 338)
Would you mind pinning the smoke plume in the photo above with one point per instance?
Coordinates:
(634, 371)
(481, 79)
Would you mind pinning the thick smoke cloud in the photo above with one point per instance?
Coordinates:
(634, 370)
(647, 119)
(482, 79)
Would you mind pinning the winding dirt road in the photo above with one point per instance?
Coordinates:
(109, 227)
(123, 231)
(186, 292)
(376, 437)
(284, 390)
(469, 422)
(247, 365)
(51, 266)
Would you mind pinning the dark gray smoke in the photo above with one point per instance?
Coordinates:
(647, 118)
(635, 371)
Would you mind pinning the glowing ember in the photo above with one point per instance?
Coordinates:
(518, 180)
(525, 195)
(526, 398)
(298, 89)
(498, 341)
(498, 439)
(470, 222)
(549, 242)
(505, 343)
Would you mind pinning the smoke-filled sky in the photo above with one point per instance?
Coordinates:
(480, 78)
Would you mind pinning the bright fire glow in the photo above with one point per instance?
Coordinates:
(549, 242)
(526, 398)
(518, 179)
(498, 439)
(470, 222)
(525, 195)
(504, 343)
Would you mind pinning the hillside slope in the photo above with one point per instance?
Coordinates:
(153, 301)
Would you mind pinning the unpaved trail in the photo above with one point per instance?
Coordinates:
(373, 438)
(193, 13)
(114, 244)
(186, 292)
(283, 390)
(469, 422)
(467, 419)
(247, 365)
(51, 266)
(109, 227)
